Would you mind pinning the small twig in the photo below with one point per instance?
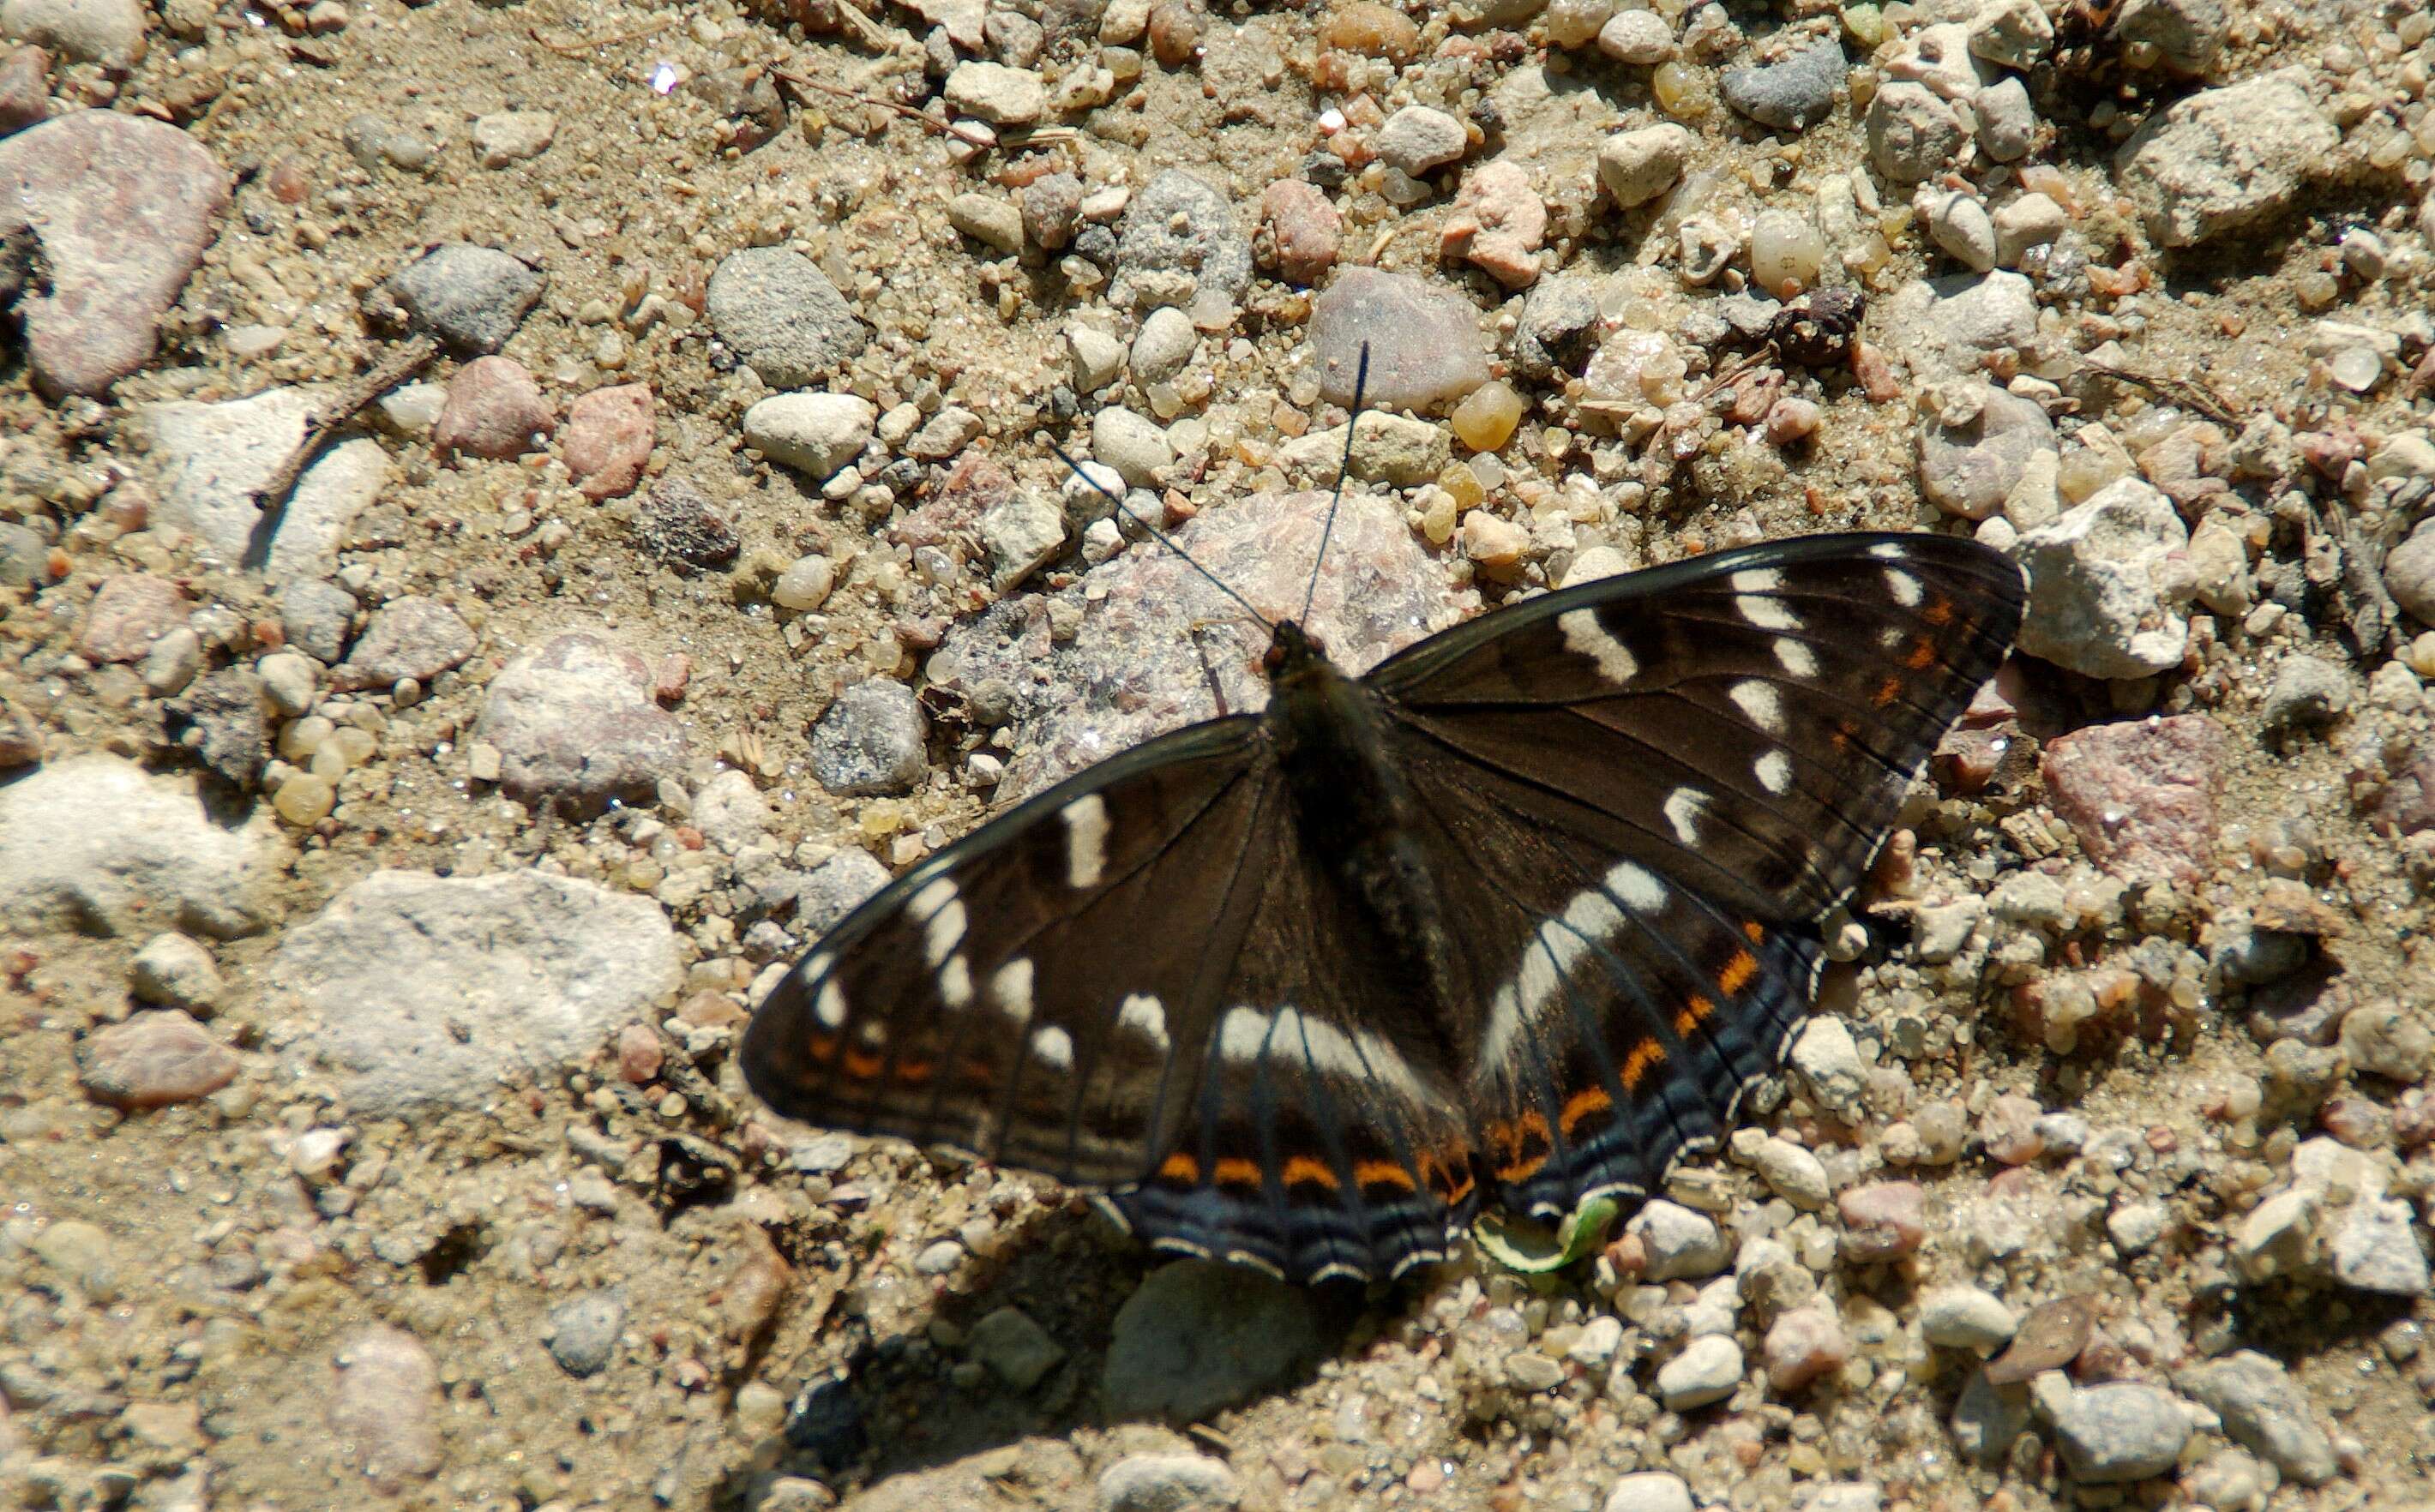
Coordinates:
(383, 376)
(576, 49)
(876, 103)
(2177, 390)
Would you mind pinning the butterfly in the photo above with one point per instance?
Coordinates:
(1518, 916)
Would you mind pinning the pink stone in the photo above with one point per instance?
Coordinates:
(385, 1407)
(493, 409)
(2407, 804)
(123, 207)
(132, 611)
(25, 89)
(153, 1059)
(1304, 227)
(1803, 1345)
(639, 1052)
(608, 438)
(2009, 1129)
(1884, 1220)
(1498, 223)
(2140, 795)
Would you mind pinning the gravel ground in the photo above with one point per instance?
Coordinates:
(384, 882)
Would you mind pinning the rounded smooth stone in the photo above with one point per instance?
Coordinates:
(804, 585)
(871, 740)
(1165, 344)
(783, 316)
(1708, 1369)
(1637, 166)
(1132, 445)
(1417, 138)
(1792, 95)
(814, 433)
(1636, 37)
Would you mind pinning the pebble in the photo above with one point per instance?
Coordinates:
(1165, 344)
(1649, 1491)
(1708, 1369)
(418, 638)
(2008, 123)
(1132, 445)
(1015, 1349)
(1197, 1336)
(1637, 166)
(2010, 34)
(471, 297)
(871, 739)
(1022, 535)
(1303, 226)
(1051, 207)
(315, 616)
(1791, 95)
(1557, 329)
(123, 208)
(2136, 1227)
(2121, 1431)
(1790, 1172)
(289, 680)
(1805, 1343)
(2097, 606)
(25, 89)
(1596, 1347)
(1975, 446)
(814, 433)
(428, 991)
(1179, 239)
(220, 720)
(582, 1332)
(1681, 1242)
(506, 137)
(110, 32)
(1394, 449)
(213, 459)
(783, 316)
(1913, 135)
(577, 722)
(2140, 795)
(998, 94)
(607, 439)
(2226, 160)
(2030, 221)
(1639, 37)
(118, 851)
(2307, 692)
(2187, 35)
(1425, 347)
(836, 888)
(1498, 222)
(494, 409)
(682, 526)
(1883, 1221)
(176, 972)
(2409, 572)
(154, 1059)
(1828, 1061)
(1098, 358)
(641, 1056)
(129, 614)
(1988, 1418)
(1167, 1483)
(2051, 1336)
(805, 584)
(385, 1407)
(2387, 1042)
(2374, 1247)
(1965, 1317)
(988, 219)
(1959, 223)
(1418, 138)
(82, 1255)
(2262, 1410)
(947, 432)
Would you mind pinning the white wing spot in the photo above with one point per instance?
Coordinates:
(1775, 772)
(1891, 636)
(1144, 1016)
(1086, 840)
(1796, 658)
(1757, 580)
(938, 894)
(829, 1006)
(1903, 586)
(1888, 551)
(1585, 636)
(1011, 988)
(1053, 1047)
(1591, 919)
(1246, 1034)
(1685, 808)
(956, 983)
(1758, 700)
(1243, 1035)
(1766, 614)
(1637, 886)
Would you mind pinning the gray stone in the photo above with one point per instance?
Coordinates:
(1988, 1418)
(1132, 445)
(836, 888)
(1417, 138)
(871, 739)
(1165, 344)
(315, 616)
(2374, 1247)
(2410, 569)
(2121, 1431)
(1912, 134)
(418, 638)
(814, 433)
(96, 842)
(1681, 1242)
(1708, 1369)
(1974, 449)
(1791, 95)
(1022, 535)
(2226, 160)
(110, 32)
(221, 719)
(175, 971)
(988, 219)
(430, 993)
(2011, 33)
(686, 527)
(1013, 1347)
(2307, 692)
(1167, 1483)
(782, 314)
(1557, 327)
(730, 810)
(2263, 1411)
(122, 207)
(2095, 604)
(25, 554)
(212, 460)
(1198, 1336)
(2008, 123)
(575, 723)
(582, 1332)
(1180, 227)
(471, 297)
(947, 434)
(1425, 348)
(290, 681)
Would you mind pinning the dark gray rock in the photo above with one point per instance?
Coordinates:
(1558, 329)
(582, 1332)
(683, 527)
(1792, 95)
(871, 740)
(471, 297)
(1179, 225)
(221, 719)
(783, 316)
(315, 616)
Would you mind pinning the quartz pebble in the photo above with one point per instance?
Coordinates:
(1637, 166)
(576, 723)
(1708, 1369)
(1649, 1491)
(154, 1059)
(815, 433)
(1636, 37)
(1417, 138)
(1423, 340)
(1965, 1317)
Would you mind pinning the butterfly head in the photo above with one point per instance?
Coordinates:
(1291, 650)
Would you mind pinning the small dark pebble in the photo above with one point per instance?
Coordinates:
(315, 616)
(1816, 329)
(221, 719)
(825, 1421)
(682, 526)
(471, 297)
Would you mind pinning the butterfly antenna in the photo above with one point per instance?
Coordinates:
(1160, 535)
(1361, 386)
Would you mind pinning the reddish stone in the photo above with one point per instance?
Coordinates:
(1304, 226)
(977, 485)
(2140, 795)
(608, 438)
(2407, 803)
(639, 1054)
(132, 611)
(153, 1059)
(123, 207)
(493, 409)
(385, 1409)
(418, 638)
(1498, 223)
(1803, 1345)
(1883, 1221)
(25, 89)
(2009, 1129)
